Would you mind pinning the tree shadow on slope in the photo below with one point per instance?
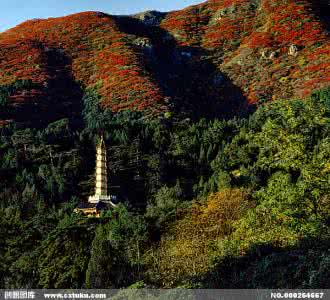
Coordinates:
(63, 91)
(60, 96)
(321, 9)
(305, 265)
(185, 74)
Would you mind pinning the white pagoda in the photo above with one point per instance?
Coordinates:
(101, 177)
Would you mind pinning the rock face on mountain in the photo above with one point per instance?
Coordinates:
(151, 17)
(217, 58)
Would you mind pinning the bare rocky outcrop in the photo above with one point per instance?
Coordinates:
(150, 17)
(218, 79)
(186, 54)
(268, 55)
(144, 43)
(222, 13)
(264, 54)
(272, 55)
(293, 50)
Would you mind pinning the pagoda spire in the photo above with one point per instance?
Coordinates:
(101, 175)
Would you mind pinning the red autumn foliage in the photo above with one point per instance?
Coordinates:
(188, 25)
(258, 40)
(231, 34)
(234, 25)
(98, 52)
(293, 24)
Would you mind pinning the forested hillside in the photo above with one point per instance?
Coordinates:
(217, 125)
(219, 58)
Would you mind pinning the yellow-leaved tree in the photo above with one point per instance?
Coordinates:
(187, 245)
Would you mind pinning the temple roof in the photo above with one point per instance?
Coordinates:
(100, 205)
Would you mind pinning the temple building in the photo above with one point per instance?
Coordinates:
(101, 199)
(101, 176)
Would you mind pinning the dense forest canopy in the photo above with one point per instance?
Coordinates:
(201, 201)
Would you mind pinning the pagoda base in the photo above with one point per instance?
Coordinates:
(103, 198)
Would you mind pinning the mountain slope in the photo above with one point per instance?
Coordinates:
(250, 42)
(216, 58)
(89, 48)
